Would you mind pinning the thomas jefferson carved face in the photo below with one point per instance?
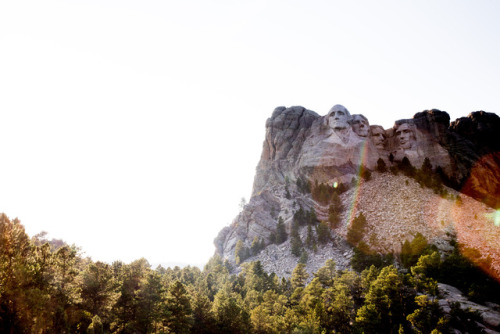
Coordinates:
(405, 136)
(360, 125)
(378, 137)
(338, 117)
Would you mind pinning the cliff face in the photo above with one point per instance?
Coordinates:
(301, 146)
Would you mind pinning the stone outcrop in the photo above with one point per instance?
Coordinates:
(490, 314)
(331, 149)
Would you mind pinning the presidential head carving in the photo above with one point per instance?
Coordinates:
(360, 125)
(338, 117)
(378, 136)
(405, 135)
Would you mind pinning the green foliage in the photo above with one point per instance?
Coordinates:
(257, 246)
(299, 276)
(296, 245)
(281, 234)
(178, 307)
(295, 241)
(303, 185)
(323, 233)
(303, 257)
(364, 257)
(55, 290)
(386, 302)
(324, 193)
(310, 238)
(411, 251)
(230, 314)
(357, 229)
(422, 273)
(241, 253)
(335, 210)
(327, 273)
(428, 317)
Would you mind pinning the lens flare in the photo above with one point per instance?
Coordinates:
(357, 188)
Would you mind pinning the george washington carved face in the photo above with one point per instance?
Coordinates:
(338, 117)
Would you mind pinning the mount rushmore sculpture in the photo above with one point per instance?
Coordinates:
(302, 147)
(331, 148)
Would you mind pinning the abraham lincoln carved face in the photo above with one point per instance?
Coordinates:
(405, 136)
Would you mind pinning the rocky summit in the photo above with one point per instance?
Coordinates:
(423, 177)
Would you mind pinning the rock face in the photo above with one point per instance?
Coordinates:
(489, 314)
(301, 146)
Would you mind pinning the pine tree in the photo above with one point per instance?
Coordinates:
(255, 247)
(240, 252)
(310, 240)
(295, 242)
(299, 276)
(323, 233)
(281, 234)
(381, 166)
(327, 273)
(230, 317)
(356, 230)
(203, 318)
(180, 318)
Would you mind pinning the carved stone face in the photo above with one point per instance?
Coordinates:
(378, 137)
(338, 117)
(360, 125)
(405, 136)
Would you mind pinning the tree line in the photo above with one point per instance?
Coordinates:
(53, 289)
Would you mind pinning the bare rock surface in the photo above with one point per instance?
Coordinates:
(489, 313)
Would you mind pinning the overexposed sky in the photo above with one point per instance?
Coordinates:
(133, 128)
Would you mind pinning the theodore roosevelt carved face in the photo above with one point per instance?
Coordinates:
(378, 136)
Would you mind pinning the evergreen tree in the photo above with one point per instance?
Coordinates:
(240, 252)
(296, 245)
(99, 289)
(299, 276)
(230, 317)
(323, 233)
(386, 303)
(149, 299)
(303, 257)
(327, 273)
(356, 230)
(281, 234)
(255, 247)
(178, 306)
(295, 242)
(339, 308)
(310, 240)
(381, 166)
(203, 318)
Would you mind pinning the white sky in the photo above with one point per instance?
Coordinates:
(133, 128)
